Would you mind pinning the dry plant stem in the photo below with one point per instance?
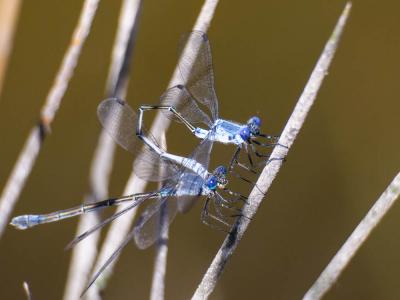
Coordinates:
(84, 254)
(27, 291)
(83, 257)
(9, 10)
(287, 138)
(160, 262)
(339, 262)
(118, 230)
(32, 146)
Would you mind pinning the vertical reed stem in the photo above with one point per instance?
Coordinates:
(157, 291)
(34, 142)
(119, 230)
(9, 10)
(84, 254)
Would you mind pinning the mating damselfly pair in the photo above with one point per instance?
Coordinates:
(184, 179)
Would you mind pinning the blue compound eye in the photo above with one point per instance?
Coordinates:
(212, 183)
(257, 121)
(245, 133)
(254, 125)
(254, 121)
(221, 170)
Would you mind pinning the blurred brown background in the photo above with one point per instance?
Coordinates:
(264, 51)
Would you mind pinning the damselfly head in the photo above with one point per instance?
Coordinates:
(254, 124)
(220, 173)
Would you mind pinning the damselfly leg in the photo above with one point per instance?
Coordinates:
(271, 141)
(212, 220)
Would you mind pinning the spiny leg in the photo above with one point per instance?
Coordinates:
(217, 220)
(255, 151)
(235, 194)
(245, 180)
(237, 175)
(274, 138)
(267, 145)
(206, 214)
(240, 216)
(220, 201)
(234, 158)
(264, 163)
(274, 143)
(251, 169)
(235, 161)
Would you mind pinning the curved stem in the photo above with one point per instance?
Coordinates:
(342, 258)
(270, 171)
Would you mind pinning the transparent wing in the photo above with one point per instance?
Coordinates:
(202, 152)
(190, 187)
(179, 97)
(190, 183)
(197, 71)
(185, 203)
(149, 164)
(113, 256)
(147, 227)
(103, 223)
(120, 122)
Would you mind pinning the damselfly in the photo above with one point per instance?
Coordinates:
(188, 179)
(184, 184)
(183, 103)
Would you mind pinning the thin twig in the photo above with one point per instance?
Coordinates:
(342, 258)
(269, 173)
(27, 291)
(118, 230)
(160, 261)
(32, 146)
(83, 257)
(9, 11)
(84, 254)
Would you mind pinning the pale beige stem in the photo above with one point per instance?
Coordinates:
(119, 229)
(160, 260)
(339, 262)
(34, 142)
(84, 254)
(9, 11)
(290, 132)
